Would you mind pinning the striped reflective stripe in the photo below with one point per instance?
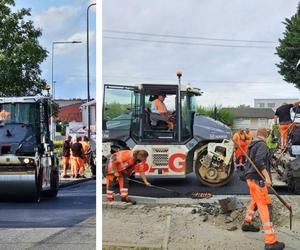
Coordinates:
(271, 231)
(268, 224)
(248, 218)
(124, 192)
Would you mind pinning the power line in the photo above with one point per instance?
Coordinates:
(190, 80)
(186, 37)
(189, 43)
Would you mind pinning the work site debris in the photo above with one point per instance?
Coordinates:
(201, 195)
(230, 204)
(233, 228)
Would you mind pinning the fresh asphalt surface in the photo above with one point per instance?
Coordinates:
(73, 205)
(185, 187)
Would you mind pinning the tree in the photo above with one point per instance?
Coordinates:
(20, 52)
(244, 106)
(289, 50)
(218, 113)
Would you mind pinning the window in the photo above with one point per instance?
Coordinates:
(261, 105)
(271, 105)
(188, 106)
(242, 123)
(118, 108)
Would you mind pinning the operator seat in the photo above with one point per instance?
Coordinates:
(160, 125)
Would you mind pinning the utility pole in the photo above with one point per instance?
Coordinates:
(88, 70)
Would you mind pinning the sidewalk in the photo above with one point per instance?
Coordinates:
(192, 224)
(65, 182)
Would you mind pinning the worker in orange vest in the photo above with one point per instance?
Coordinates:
(86, 149)
(66, 156)
(240, 138)
(78, 158)
(260, 200)
(249, 135)
(121, 166)
(159, 112)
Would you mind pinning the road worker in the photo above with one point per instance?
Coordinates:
(5, 115)
(121, 166)
(159, 112)
(240, 138)
(249, 135)
(66, 156)
(260, 200)
(283, 113)
(78, 158)
(86, 146)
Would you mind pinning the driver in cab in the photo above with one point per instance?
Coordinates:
(4, 115)
(160, 113)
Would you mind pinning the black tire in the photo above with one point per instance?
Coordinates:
(205, 182)
(92, 165)
(54, 185)
(36, 197)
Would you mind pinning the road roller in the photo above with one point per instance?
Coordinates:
(29, 166)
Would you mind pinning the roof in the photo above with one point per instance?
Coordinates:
(23, 99)
(252, 112)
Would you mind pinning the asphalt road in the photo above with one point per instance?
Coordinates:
(185, 187)
(67, 222)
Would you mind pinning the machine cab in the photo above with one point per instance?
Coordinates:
(135, 112)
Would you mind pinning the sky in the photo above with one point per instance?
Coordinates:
(65, 20)
(228, 76)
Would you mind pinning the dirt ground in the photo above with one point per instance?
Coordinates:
(204, 226)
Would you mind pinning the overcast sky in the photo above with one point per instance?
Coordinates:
(227, 75)
(65, 20)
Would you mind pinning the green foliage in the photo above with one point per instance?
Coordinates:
(115, 109)
(289, 50)
(244, 106)
(218, 113)
(20, 52)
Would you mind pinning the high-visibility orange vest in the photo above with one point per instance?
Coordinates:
(159, 105)
(85, 146)
(123, 159)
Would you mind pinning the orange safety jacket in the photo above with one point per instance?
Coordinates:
(160, 106)
(125, 162)
(85, 146)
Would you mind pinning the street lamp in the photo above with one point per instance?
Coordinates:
(88, 69)
(53, 82)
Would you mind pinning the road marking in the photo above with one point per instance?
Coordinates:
(167, 233)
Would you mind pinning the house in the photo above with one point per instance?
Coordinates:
(272, 103)
(252, 118)
(66, 102)
(84, 110)
(70, 113)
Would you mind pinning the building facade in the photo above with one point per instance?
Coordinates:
(252, 118)
(272, 103)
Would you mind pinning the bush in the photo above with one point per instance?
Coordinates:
(218, 113)
(57, 146)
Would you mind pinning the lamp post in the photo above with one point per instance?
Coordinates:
(179, 75)
(53, 82)
(88, 69)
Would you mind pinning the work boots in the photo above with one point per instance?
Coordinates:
(275, 246)
(127, 200)
(249, 227)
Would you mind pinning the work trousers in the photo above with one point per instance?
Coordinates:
(77, 165)
(65, 162)
(261, 200)
(284, 133)
(111, 180)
